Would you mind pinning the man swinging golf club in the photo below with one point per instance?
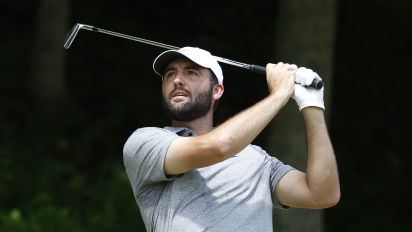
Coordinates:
(193, 176)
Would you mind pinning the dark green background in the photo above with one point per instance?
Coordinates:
(61, 165)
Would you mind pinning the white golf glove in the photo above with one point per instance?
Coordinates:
(307, 96)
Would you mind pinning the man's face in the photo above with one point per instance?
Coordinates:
(187, 90)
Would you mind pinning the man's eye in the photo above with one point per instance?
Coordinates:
(168, 74)
(190, 72)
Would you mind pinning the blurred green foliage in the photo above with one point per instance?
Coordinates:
(57, 176)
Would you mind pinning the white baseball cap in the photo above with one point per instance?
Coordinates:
(197, 55)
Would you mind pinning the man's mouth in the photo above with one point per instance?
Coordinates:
(180, 94)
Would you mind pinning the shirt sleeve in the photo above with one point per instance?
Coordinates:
(144, 154)
(277, 170)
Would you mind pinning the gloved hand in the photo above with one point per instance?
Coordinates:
(306, 96)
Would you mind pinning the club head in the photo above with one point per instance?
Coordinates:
(71, 35)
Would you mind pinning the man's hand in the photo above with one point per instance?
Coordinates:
(280, 78)
(306, 96)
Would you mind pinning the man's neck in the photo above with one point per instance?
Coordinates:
(201, 125)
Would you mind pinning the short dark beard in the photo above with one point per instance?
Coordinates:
(191, 110)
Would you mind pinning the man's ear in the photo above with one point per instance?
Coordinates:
(218, 91)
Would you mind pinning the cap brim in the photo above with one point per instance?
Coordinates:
(164, 59)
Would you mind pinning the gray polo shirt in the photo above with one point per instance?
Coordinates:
(233, 195)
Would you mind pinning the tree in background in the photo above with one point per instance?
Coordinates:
(48, 66)
(305, 33)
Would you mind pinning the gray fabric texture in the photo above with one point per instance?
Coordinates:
(233, 195)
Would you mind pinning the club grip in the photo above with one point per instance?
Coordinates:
(258, 69)
(316, 83)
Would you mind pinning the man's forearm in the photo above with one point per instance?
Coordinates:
(240, 130)
(321, 173)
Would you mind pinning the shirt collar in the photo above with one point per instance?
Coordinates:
(181, 131)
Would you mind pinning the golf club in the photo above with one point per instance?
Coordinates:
(71, 35)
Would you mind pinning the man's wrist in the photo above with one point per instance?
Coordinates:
(280, 96)
(313, 113)
(315, 105)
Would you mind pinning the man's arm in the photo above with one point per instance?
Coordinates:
(319, 186)
(185, 154)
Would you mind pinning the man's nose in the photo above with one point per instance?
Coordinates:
(179, 79)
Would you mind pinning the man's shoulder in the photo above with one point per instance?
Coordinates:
(146, 135)
(256, 148)
(149, 131)
(255, 151)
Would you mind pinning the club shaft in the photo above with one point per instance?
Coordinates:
(161, 45)
(137, 39)
(255, 68)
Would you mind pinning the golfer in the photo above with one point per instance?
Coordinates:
(193, 176)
